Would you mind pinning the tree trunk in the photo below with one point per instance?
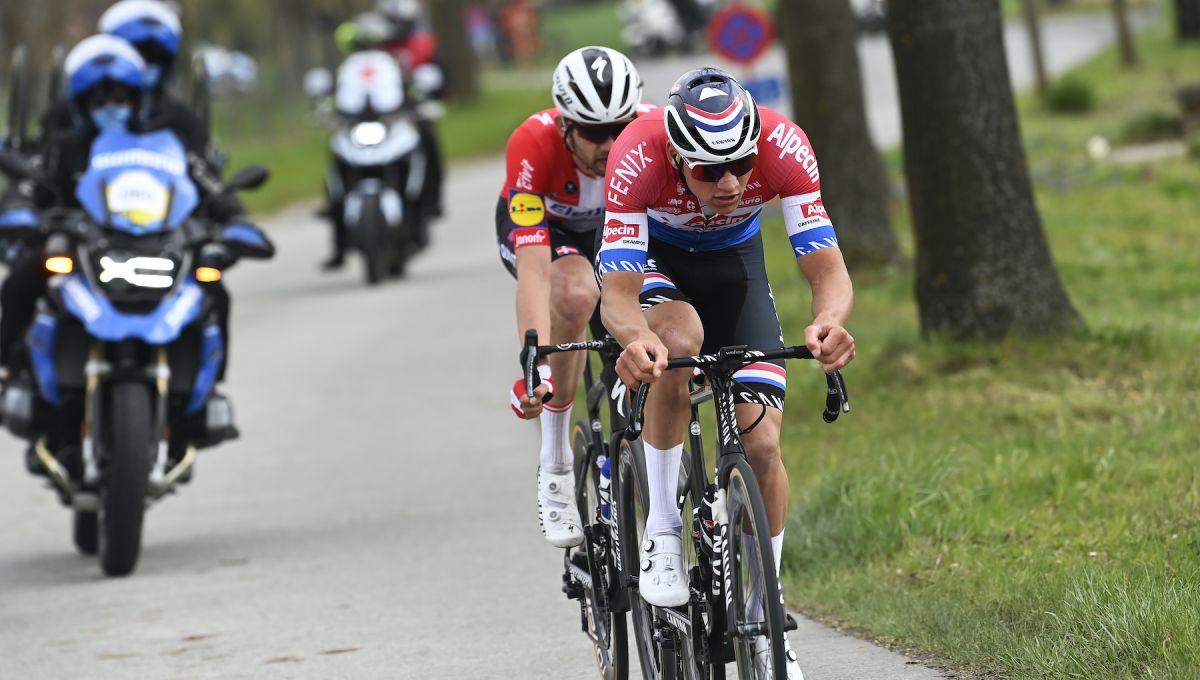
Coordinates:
(827, 99)
(984, 268)
(1187, 19)
(461, 62)
(1129, 57)
(1034, 26)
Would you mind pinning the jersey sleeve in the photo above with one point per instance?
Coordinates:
(633, 170)
(790, 166)
(525, 185)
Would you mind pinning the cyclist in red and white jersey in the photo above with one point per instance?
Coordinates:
(549, 211)
(681, 265)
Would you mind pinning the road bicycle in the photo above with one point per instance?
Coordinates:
(729, 556)
(593, 572)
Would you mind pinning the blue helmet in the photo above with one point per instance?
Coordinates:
(102, 58)
(711, 118)
(151, 27)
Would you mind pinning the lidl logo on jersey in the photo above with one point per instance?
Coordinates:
(526, 210)
(615, 230)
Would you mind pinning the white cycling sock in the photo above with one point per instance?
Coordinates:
(555, 457)
(662, 478)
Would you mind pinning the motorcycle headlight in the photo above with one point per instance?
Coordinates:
(368, 134)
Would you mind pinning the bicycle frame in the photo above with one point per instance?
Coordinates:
(714, 575)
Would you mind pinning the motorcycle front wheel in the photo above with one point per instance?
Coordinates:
(125, 477)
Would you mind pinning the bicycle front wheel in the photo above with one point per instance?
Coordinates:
(755, 607)
(610, 641)
(633, 504)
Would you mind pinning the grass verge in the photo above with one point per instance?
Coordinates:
(1030, 508)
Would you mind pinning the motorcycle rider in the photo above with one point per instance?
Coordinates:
(547, 215)
(397, 27)
(104, 90)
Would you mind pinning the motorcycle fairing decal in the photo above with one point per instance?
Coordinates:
(104, 322)
(212, 351)
(137, 183)
(40, 341)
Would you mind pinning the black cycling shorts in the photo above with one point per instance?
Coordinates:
(731, 294)
(562, 242)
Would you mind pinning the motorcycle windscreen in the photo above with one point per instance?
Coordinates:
(137, 183)
(369, 82)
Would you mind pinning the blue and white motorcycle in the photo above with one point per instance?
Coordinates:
(126, 345)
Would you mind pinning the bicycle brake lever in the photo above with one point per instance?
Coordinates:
(836, 400)
(529, 357)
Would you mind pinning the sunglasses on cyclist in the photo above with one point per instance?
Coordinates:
(599, 134)
(713, 172)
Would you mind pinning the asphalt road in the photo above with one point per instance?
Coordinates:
(376, 520)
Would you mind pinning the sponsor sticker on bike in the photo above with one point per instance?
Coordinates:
(525, 209)
(138, 197)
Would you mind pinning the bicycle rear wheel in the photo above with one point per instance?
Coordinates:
(607, 629)
(755, 610)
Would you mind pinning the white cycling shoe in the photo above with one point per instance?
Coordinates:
(762, 659)
(556, 509)
(663, 581)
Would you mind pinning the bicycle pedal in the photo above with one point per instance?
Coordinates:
(790, 622)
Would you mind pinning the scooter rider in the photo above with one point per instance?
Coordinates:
(547, 215)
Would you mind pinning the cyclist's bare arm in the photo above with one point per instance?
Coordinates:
(533, 291)
(622, 316)
(832, 300)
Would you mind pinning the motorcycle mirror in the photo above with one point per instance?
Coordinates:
(249, 177)
(318, 82)
(428, 78)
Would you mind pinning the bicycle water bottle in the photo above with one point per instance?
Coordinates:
(603, 463)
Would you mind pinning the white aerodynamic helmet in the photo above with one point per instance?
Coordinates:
(711, 118)
(596, 85)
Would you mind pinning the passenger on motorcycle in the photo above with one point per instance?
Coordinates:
(546, 220)
(681, 265)
(397, 28)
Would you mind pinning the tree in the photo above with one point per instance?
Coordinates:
(1034, 25)
(984, 268)
(462, 64)
(1187, 19)
(827, 100)
(1129, 57)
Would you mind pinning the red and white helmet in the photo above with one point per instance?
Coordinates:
(596, 85)
(711, 118)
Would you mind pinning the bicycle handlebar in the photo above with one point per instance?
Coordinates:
(532, 351)
(729, 359)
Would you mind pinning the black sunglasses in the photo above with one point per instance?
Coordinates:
(713, 172)
(598, 134)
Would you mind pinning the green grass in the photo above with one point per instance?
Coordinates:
(1030, 508)
(296, 148)
(572, 27)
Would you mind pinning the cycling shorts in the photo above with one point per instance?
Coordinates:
(731, 294)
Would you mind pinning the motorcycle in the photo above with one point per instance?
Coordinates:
(126, 345)
(376, 182)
